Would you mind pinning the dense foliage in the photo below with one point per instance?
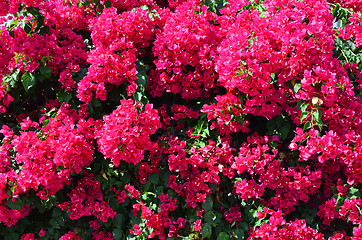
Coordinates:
(181, 119)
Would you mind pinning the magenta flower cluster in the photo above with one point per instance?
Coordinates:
(173, 119)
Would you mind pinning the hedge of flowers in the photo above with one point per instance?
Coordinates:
(181, 119)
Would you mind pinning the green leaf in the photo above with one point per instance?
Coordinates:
(56, 212)
(354, 193)
(82, 73)
(54, 223)
(239, 233)
(28, 28)
(33, 10)
(272, 75)
(44, 30)
(284, 131)
(154, 178)
(8, 79)
(210, 218)
(335, 11)
(142, 79)
(15, 75)
(240, 119)
(96, 102)
(273, 79)
(108, 4)
(304, 106)
(223, 236)
(296, 87)
(45, 71)
(342, 14)
(206, 131)
(258, 223)
(208, 204)
(138, 96)
(117, 233)
(17, 204)
(340, 200)
(317, 115)
(40, 77)
(307, 125)
(206, 230)
(303, 116)
(244, 226)
(64, 96)
(113, 203)
(60, 221)
(39, 22)
(28, 80)
(12, 236)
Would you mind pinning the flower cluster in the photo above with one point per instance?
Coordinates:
(5, 52)
(45, 157)
(128, 5)
(200, 169)
(236, 119)
(70, 236)
(228, 114)
(87, 199)
(233, 214)
(9, 217)
(160, 221)
(65, 14)
(185, 53)
(57, 50)
(355, 5)
(125, 134)
(182, 112)
(349, 211)
(290, 185)
(353, 30)
(329, 148)
(12, 6)
(5, 98)
(278, 228)
(118, 40)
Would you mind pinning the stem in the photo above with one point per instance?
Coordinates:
(334, 5)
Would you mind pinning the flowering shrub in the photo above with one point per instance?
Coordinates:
(180, 119)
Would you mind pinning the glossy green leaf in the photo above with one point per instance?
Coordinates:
(208, 204)
(206, 230)
(354, 193)
(284, 131)
(12, 236)
(335, 11)
(117, 234)
(17, 204)
(28, 80)
(307, 125)
(64, 96)
(239, 233)
(297, 87)
(210, 218)
(303, 116)
(154, 178)
(45, 71)
(317, 115)
(223, 236)
(304, 106)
